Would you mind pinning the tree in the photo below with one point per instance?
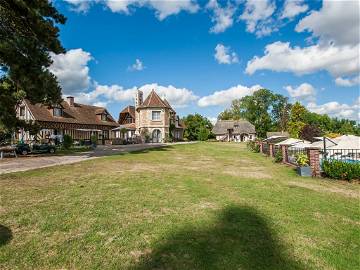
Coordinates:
(198, 127)
(255, 108)
(226, 115)
(280, 112)
(28, 35)
(68, 141)
(297, 119)
(308, 132)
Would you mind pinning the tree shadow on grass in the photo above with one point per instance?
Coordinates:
(240, 239)
(5, 235)
(152, 149)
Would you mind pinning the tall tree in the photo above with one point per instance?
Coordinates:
(28, 34)
(280, 111)
(297, 121)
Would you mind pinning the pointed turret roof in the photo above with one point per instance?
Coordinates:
(154, 101)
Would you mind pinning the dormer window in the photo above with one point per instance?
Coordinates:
(103, 117)
(57, 111)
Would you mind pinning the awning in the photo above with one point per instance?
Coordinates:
(87, 130)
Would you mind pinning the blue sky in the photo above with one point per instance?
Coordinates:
(202, 54)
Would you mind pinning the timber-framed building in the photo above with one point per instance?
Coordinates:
(77, 120)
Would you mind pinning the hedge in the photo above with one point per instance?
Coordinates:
(338, 169)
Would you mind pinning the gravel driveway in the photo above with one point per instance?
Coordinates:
(26, 163)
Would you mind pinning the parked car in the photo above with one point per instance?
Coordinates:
(43, 148)
(22, 149)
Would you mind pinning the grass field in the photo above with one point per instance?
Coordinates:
(198, 206)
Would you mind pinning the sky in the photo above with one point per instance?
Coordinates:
(200, 55)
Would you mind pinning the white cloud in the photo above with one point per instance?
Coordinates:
(336, 109)
(71, 70)
(224, 97)
(279, 56)
(100, 104)
(336, 21)
(213, 120)
(222, 17)
(304, 91)
(137, 66)
(257, 16)
(292, 8)
(178, 97)
(348, 82)
(79, 5)
(223, 55)
(163, 9)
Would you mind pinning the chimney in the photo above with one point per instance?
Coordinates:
(70, 101)
(138, 98)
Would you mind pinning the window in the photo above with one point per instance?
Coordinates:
(22, 111)
(104, 117)
(155, 115)
(57, 112)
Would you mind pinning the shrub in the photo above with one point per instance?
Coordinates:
(302, 159)
(68, 141)
(278, 156)
(93, 139)
(338, 169)
(253, 146)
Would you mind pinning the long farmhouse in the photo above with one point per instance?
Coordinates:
(78, 120)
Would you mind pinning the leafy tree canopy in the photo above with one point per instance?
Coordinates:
(264, 109)
(28, 34)
(268, 111)
(197, 127)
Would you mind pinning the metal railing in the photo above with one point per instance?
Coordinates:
(346, 155)
(266, 149)
(293, 152)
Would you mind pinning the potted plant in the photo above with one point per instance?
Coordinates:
(303, 167)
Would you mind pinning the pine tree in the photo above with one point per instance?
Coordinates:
(28, 35)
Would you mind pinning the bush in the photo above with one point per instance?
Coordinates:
(68, 141)
(278, 156)
(253, 146)
(302, 159)
(338, 169)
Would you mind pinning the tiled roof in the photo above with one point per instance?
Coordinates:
(77, 114)
(237, 127)
(276, 133)
(128, 109)
(154, 101)
(168, 104)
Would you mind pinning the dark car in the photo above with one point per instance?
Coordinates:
(43, 148)
(22, 149)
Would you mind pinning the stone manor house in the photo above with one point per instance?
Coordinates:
(152, 119)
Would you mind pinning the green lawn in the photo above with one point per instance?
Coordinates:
(198, 206)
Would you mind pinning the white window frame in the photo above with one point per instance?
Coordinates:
(22, 110)
(157, 113)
